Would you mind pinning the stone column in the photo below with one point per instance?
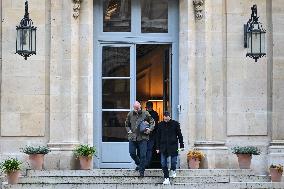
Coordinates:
(275, 49)
(64, 83)
(86, 72)
(210, 82)
(203, 79)
(211, 40)
(187, 74)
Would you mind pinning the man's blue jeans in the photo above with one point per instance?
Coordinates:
(134, 146)
(164, 164)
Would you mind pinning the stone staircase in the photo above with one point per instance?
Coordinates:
(128, 179)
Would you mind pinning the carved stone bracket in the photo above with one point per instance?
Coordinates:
(198, 8)
(76, 8)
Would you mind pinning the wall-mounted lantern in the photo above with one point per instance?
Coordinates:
(26, 36)
(254, 36)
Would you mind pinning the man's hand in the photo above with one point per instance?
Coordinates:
(158, 151)
(147, 131)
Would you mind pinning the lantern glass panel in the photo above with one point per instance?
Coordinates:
(263, 48)
(249, 42)
(19, 34)
(26, 39)
(255, 48)
(33, 37)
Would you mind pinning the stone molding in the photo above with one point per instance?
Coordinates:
(60, 146)
(198, 8)
(210, 145)
(76, 8)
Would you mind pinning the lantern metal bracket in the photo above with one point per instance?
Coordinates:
(253, 19)
(245, 36)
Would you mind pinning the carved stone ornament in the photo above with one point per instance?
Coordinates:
(76, 8)
(198, 8)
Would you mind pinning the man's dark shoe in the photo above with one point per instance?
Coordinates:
(141, 174)
(137, 168)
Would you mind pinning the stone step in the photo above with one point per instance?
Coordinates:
(249, 178)
(146, 179)
(235, 185)
(131, 172)
(117, 180)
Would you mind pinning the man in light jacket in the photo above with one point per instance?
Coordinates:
(138, 140)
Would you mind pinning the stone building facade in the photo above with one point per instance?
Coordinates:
(224, 98)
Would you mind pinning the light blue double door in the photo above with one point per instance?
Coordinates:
(128, 66)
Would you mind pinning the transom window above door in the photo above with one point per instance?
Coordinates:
(143, 16)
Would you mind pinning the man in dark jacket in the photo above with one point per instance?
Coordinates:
(137, 139)
(168, 136)
(152, 136)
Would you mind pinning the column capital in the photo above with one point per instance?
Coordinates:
(198, 8)
(76, 8)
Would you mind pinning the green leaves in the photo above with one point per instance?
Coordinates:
(246, 150)
(36, 150)
(85, 150)
(10, 165)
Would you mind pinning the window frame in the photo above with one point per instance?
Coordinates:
(135, 22)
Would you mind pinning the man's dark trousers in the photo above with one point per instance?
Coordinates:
(142, 147)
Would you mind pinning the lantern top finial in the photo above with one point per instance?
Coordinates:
(26, 10)
(26, 21)
(254, 16)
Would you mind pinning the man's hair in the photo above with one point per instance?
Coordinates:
(149, 104)
(166, 113)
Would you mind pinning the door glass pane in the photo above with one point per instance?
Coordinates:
(113, 127)
(116, 94)
(117, 15)
(116, 62)
(154, 16)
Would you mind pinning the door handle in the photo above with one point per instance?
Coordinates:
(179, 108)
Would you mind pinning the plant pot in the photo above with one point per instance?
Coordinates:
(275, 175)
(244, 160)
(86, 162)
(193, 163)
(36, 161)
(13, 177)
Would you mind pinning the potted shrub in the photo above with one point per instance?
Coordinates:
(12, 168)
(244, 154)
(85, 154)
(193, 158)
(36, 155)
(276, 172)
